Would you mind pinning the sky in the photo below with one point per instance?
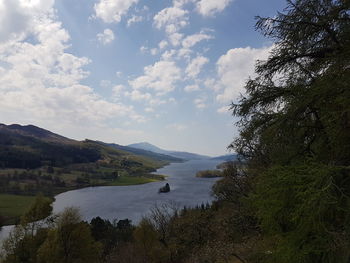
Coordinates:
(128, 71)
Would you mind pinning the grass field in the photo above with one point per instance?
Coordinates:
(13, 206)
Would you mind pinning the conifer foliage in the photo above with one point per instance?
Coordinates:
(295, 133)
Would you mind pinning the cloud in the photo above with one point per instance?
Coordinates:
(171, 18)
(18, 17)
(117, 92)
(40, 82)
(106, 37)
(224, 109)
(192, 40)
(136, 95)
(154, 51)
(160, 77)
(163, 44)
(175, 38)
(200, 103)
(211, 7)
(113, 10)
(191, 88)
(234, 69)
(134, 19)
(195, 66)
(143, 49)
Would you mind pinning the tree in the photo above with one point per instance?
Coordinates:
(70, 241)
(298, 106)
(294, 133)
(40, 209)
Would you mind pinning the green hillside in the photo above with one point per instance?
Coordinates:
(34, 160)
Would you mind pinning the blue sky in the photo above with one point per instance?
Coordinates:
(127, 71)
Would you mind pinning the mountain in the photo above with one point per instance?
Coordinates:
(148, 147)
(148, 153)
(33, 131)
(182, 155)
(31, 147)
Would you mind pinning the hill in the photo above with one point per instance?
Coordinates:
(34, 160)
(148, 153)
(30, 147)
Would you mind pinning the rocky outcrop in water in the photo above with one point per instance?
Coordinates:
(165, 189)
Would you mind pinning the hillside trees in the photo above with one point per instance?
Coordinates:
(294, 133)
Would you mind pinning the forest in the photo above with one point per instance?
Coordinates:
(288, 203)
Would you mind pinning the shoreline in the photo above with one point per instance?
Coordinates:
(10, 220)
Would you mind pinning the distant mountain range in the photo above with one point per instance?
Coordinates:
(31, 147)
(151, 154)
(34, 132)
(182, 155)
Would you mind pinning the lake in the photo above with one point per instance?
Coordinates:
(135, 201)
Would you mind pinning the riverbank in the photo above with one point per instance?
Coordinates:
(13, 206)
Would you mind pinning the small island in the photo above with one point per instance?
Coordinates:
(164, 189)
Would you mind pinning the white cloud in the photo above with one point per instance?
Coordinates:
(212, 84)
(171, 18)
(192, 40)
(175, 38)
(105, 83)
(181, 3)
(169, 54)
(40, 81)
(134, 19)
(160, 77)
(117, 92)
(17, 18)
(234, 69)
(136, 95)
(154, 51)
(184, 53)
(163, 44)
(118, 88)
(143, 49)
(113, 10)
(106, 37)
(200, 103)
(211, 7)
(191, 88)
(224, 109)
(195, 66)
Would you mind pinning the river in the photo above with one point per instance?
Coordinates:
(135, 201)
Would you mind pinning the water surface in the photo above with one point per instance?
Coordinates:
(135, 201)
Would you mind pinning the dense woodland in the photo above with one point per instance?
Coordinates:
(289, 202)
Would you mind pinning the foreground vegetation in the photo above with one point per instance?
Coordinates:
(12, 207)
(289, 202)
